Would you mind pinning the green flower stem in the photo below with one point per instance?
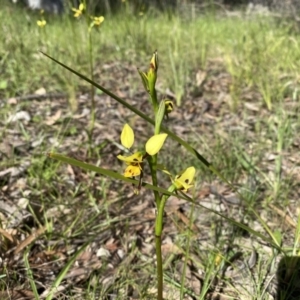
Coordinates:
(159, 268)
(152, 160)
(160, 201)
(160, 211)
(158, 232)
(93, 108)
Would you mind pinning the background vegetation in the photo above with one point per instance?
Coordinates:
(235, 80)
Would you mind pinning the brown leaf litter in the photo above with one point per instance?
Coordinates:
(117, 224)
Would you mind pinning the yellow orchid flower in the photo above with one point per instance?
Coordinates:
(78, 11)
(41, 23)
(134, 163)
(184, 181)
(98, 20)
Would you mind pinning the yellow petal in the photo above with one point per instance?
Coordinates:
(132, 171)
(127, 136)
(155, 143)
(184, 181)
(41, 23)
(135, 158)
(98, 20)
(81, 7)
(77, 12)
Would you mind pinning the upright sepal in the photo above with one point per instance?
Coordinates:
(127, 136)
(159, 116)
(155, 143)
(144, 77)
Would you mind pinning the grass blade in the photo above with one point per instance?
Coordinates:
(64, 271)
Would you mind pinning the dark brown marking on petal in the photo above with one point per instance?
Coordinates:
(169, 106)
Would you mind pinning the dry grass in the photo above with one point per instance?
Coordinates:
(91, 237)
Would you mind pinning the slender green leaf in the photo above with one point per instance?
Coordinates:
(30, 274)
(64, 271)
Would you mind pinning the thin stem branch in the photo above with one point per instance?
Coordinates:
(152, 160)
(93, 106)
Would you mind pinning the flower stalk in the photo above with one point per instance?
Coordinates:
(182, 181)
(91, 21)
